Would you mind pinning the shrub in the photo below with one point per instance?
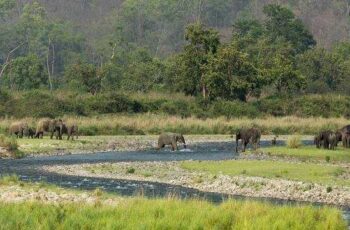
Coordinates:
(36, 104)
(328, 158)
(231, 109)
(11, 146)
(329, 189)
(180, 108)
(9, 143)
(294, 142)
(130, 171)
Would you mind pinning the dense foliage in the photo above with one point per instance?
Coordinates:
(268, 57)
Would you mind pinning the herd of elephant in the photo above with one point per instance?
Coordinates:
(326, 139)
(329, 139)
(52, 126)
(247, 136)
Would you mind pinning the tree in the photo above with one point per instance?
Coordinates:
(202, 44)
(230, 75)
(25, 73)
(324, 70)
(281, 22)
(83, 77)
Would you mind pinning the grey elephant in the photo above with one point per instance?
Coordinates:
(333, 141)
(71, 130)
(344, 132)
(170, 139)
(52, 126)
(247, 136)
(328, 139)
(347, 139)
(324, 138)
(317, 141)
(29, 132)
(18, 129)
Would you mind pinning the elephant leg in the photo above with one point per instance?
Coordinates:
(244, 146)
(51, 135)
(174, 146)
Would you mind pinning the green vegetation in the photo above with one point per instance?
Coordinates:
(310, 153)
(45, 104)
(294, 142)
(322, 174)
(167, 214)
(131, 213)
(48, 69)
(9, 147)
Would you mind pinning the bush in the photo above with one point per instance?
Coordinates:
(232, 109)
(36, 104)
(180, 108)
(9, 143)
(11, 146)
(294, 142)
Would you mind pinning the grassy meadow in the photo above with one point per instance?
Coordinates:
(310, 153)
(167, 214)
(154, 124)
(307, 172)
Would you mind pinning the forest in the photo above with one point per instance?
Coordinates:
(205, 58)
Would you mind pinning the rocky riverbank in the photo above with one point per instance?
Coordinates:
(172, 173)
(20, 192)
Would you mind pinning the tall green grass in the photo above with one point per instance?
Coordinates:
(168, 214)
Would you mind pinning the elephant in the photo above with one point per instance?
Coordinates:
(328, 139)
(274, 141)
(18, 129)
(247, 136)
(30, 133)
(344, 132)
(333, 141)
(347, 139)
(70, 130)
(324, 138)
(52, 126)
(317, 141)
(170, 139)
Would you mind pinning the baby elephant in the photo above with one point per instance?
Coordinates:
(170, 139)
(30, 132)
(70, 130)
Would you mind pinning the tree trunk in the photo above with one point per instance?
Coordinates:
(48, 64)
(8, 61)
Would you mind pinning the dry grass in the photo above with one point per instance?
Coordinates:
(155, 124)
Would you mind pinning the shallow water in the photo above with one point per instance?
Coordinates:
(28, 169)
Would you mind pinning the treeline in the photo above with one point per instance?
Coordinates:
(263, 61)
(39, 104)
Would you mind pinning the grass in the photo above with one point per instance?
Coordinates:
(294, 142)
(310, 152)
(10, 146)
(155, 124)
(322, 174)
(168, 214)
